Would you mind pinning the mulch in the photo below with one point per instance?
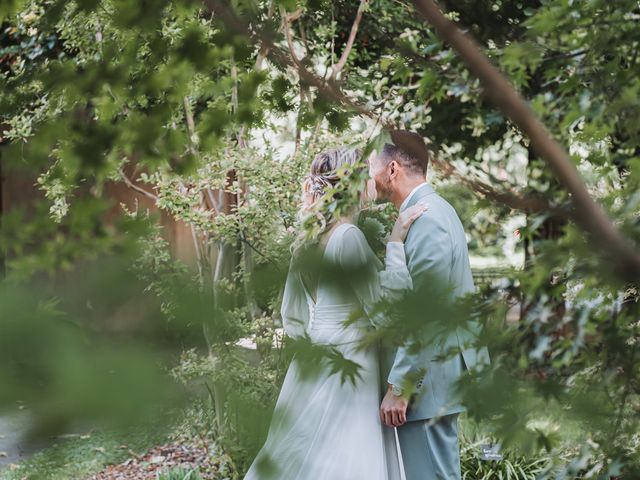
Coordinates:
(162, 458)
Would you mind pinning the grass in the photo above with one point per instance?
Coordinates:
(511, 467)
(78, 457)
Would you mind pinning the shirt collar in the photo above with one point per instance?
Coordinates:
(406, 200)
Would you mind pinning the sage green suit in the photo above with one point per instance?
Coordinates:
(437, 255)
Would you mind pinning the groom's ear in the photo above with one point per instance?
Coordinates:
(393, 168)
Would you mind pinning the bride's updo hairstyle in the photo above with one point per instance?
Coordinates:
(321, 188)
(325, 170)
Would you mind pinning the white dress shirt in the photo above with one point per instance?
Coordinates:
(406, 200)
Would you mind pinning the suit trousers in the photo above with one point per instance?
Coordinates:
(430, 449)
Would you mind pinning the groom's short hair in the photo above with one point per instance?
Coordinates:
(409, 150)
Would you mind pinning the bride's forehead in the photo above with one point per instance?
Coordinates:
(374, 158)
(377, 162)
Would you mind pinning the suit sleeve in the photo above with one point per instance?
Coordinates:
(371, 281)
(428, 247)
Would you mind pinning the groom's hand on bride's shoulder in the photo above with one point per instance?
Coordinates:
(405, 220)
(393, 410)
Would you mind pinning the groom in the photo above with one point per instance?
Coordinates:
(436, 251)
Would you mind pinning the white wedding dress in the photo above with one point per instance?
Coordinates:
(323, 429)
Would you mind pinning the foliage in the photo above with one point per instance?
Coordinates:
(180, 473)
(510, 466)
(198, 108)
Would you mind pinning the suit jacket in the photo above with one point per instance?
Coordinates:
(436, 250)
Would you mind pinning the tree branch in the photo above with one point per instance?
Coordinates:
(328, 89)
(135, 187)
(287, 33)
(196, 246)
(212, 201)
(331, 91)
(264, 51)
(510, 198)
(352, 36)
(252, 247)
(191, 126)
(293, 16)
(589, 215)
(566, 55)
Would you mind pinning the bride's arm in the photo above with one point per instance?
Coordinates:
(294, 309)
(369, 280)
(396, 278)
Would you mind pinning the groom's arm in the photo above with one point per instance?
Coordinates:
(428, 248)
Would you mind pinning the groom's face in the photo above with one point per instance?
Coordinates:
(379, 178)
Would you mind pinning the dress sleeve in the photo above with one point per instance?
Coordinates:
(388, 281)
(295, 307)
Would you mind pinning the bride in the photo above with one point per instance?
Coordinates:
(324, 428)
